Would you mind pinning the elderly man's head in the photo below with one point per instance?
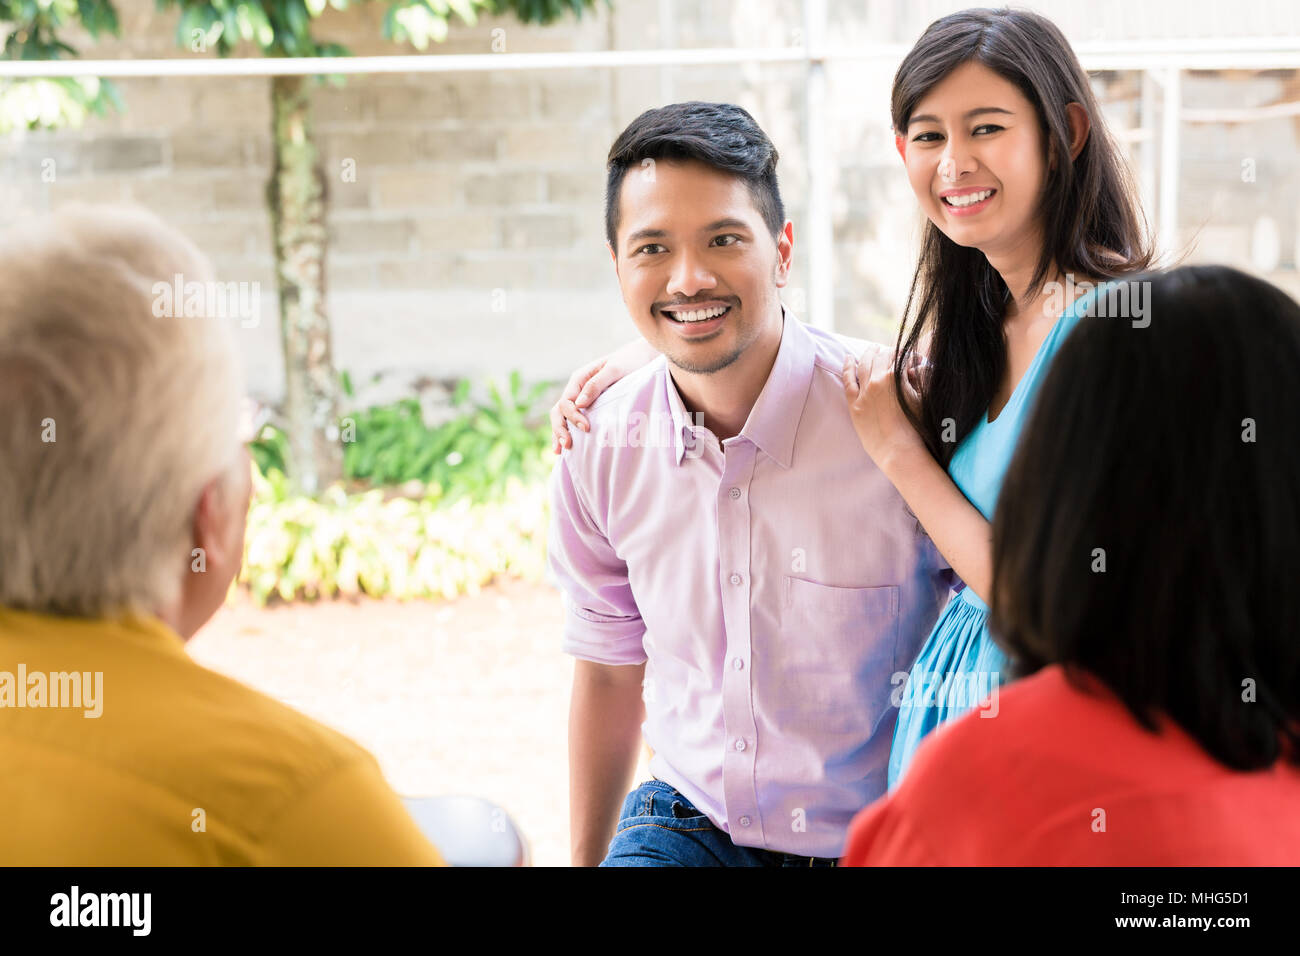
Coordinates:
(124, 485)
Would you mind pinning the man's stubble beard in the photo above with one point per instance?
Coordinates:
(726, 361)
(709, 369)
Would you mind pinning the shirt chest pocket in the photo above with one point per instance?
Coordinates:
(840, 644)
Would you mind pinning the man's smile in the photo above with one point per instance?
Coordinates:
(696, 314)
(697, 318)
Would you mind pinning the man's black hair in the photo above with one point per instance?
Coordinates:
(720, 135)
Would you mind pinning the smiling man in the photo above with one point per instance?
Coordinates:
(741, 592)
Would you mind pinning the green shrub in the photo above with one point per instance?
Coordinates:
(473, 506)
(344, 545)
(472, 455)
(270, 450)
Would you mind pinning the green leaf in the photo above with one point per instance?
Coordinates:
(465, 10)
(230, 23)
(498, 457)
(263, 32)
(296, 14)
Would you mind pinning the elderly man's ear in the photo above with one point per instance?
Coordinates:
(212, 521)
(217, 547)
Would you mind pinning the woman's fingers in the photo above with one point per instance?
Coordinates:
(865, 378)
(849, 374)
(860, 373)
(578, 391)
(915, 377)
(872, 363)
(573, 416)
(579, 378)
(559, 430)
(564, 413)
(600, 378)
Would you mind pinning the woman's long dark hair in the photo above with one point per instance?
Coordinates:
(1148, 529)
(1087, 209)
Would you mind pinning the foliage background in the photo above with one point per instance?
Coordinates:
(425, 512)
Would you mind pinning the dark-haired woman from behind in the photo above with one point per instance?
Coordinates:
(1144, 555)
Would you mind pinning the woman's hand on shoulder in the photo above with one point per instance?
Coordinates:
(587, 383)
(878, 418)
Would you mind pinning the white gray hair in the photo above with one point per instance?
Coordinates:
(112, 417)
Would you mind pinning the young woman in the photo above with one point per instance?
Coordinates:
(1028, 203)
(1144, 555)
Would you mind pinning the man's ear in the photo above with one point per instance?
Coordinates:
(784, 253)
(211, 519)
(900, 144)
(613, 257)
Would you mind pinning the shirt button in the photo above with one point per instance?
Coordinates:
(740, 743)
(735, 579)
(744, 821)
(735, 493)
(737, 663)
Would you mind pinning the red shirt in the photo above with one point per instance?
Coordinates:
(1063, 776)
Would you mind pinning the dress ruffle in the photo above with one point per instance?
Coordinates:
(959, 666)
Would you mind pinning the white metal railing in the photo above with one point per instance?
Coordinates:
(1281, 53)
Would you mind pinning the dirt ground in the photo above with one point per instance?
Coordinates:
(468, 696)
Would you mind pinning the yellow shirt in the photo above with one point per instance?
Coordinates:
(180, 766)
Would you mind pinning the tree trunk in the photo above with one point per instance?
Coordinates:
(296, 199)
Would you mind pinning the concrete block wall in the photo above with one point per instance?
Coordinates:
(470, 240)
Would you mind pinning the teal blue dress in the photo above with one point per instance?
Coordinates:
(959, 664)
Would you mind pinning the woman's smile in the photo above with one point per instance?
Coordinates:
(967, 201)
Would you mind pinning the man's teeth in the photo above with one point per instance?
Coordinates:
(699, 315)
(968, 199)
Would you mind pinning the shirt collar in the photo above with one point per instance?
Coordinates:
(128, 625)
(773, 422)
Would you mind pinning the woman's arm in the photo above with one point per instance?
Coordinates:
(588, 382)
(961, 533)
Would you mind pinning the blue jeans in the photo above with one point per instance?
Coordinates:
(659, 827)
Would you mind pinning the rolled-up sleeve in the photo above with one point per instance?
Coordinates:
(602, 622)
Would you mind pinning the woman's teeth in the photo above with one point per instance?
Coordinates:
(699, 315)
(969, 198)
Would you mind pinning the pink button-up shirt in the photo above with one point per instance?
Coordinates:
(773, 591)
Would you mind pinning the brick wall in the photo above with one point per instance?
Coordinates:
(470, 240)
